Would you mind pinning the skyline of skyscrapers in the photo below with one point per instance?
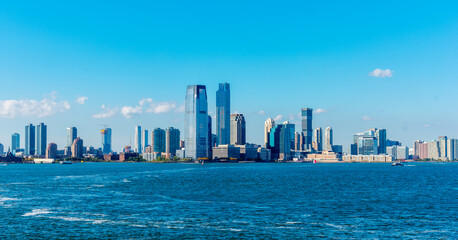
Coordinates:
(223, 112)
(196, 122)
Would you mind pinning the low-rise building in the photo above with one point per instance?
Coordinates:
(226, 152)
(325, 156)
(367, 158)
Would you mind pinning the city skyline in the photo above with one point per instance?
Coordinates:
(356, 73)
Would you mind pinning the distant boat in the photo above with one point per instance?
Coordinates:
(397, 164)
(65, 162)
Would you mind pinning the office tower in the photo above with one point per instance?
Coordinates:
(196, 122)
(223, 112)
(77, 148)
(380, 134)
(307, 127)
(2, 149)
(238, 129)
(318, 139)
(15, 142)
(451, 149)
(71, 135)
(328, 139)
(443, 147)
(172, 141)
(145, 142)
(29, 140)
(416, 147)
(402, 152)
(209, 137)
(158, 140)
(268, 125)
(280, 142)
(138, 139)
(433, 150)
(106, 140)
(41, 139)
(51, 151)
(214, 140)
(298, 141)
(367, 146)
(292, 130)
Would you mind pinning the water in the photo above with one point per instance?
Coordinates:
(186, 201)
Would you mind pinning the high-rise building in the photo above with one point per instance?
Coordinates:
(196, 122)
(71, 135)
(292, 130)
(402, 152)
(2, 149)
(443, 147)
(268, 125)
(106, 140)
(328, 139)
(223, 112)
(209, 137)
(172, 141)
(307, 127)
(299, 141)
(77, 148)
(279, 143)
(367, 146)
(145, 142)
(158, 140)
(15, 142)
(433, 150)
(380, 134)
(451, 149)
(138, 139)
(29, 140)
(51, 151)
(318, 139)
(238, 129)
(42, 139)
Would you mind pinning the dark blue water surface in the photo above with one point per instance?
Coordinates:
(187, 201)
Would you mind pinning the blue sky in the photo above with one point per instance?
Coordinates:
(277, 56)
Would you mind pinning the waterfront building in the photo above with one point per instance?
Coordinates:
(318, 139)
(367, 146)
(299, 141)
(380, 135)
(145, 142)
(138, 140)
(268, 125)
(280, 142)
(392, 151)
(41, 139)
(367, 158)
(77, 148)
(15, 142)
(51, 151)
(337, 149)
(2, 149)
(29, 140)
(223, 112)
(72, 134)
(196, 122)
(325, 157)
(229, 152)
(292, 130)
(172, 141)
(248, 152)
(238, 129)
(307, 127)
(354, 149)
(106, 140)
(402, 152)
(443, 147)
(209, 138)
(328, 139)
(158, 140)
(433, 150)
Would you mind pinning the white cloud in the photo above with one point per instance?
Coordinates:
(278, 118)
(33, 108)
(381, 73)
(128, 111)
(262, 112)
(367, 118)
(106, 113)
(320, 110)
(81, 100)
(427, 125)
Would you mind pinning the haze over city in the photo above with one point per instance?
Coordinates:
(127, 65)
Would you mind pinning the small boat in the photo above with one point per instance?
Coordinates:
(65, 162)
(397, 164)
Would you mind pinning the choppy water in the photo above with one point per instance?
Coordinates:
(275, 201)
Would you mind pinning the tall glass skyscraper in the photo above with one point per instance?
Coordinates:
(307, 127)
(158, 140)
(106, 140)
(29, 140)
(71, 135)
(15, 142)
(223, 113)
(196, 122)
(42, 134)
(138, 139)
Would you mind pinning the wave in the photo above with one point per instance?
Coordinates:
(35, 212)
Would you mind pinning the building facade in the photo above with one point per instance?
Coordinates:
(51, 151)
(318, 139)
(328, 139)
(29, 140)
(77, 148)
(307, 127)
(238, 129)
(172, 141)
(15, 142)
(138, 140)
(158, 140)
(106, 140)
(268, 125)
(196, 122)
(223, 112)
